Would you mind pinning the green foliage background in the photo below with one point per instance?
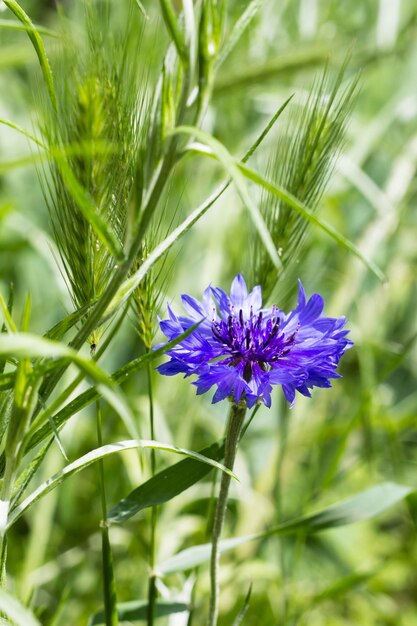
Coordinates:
(291, 462)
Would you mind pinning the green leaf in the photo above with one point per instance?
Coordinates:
(15, 611)
(165, 485)
(21, 130)
(172, 24)
(241, 615)
(283, 194)
(37, 44)
(14, 25)
(238, 30)
(138, 609)
(362, 506)
(100, 453)
(141, 8)
(26, 345)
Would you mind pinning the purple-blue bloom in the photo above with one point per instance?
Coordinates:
(244, 349)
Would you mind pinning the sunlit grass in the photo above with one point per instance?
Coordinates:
(120, 201)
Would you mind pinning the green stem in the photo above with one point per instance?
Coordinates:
(152, 591)
(234, 427)
(109, 585)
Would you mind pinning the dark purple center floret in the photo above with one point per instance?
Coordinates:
(254, 340)
(244, 349)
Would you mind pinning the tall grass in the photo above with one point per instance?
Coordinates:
(148, 149)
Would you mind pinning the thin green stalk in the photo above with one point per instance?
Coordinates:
(109, 585)
(152, 591)
(171, 23)
(234, 427)
(283, 438)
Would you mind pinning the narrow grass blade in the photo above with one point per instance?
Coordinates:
(172, 24)
(307, 214)
(141, 8)
(28, 346)
(238, 30)
(231, 166)
(267, 128)
(281, 193)
(15, 611)
(100, 453)
(241, 615)
(21, 130)
(137, 611)
(25, 345)
(37, 42)
(165, 485)
(109, 583)
(14, 25)
(363, 506)
(342, 586)
(8, 324)
(297, 61)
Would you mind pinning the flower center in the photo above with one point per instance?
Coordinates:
(253, 340)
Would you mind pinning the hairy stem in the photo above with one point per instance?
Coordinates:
(234, 427)
(152, 592)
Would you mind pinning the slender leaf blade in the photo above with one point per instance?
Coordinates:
(360, 507)
(100, 453)
(308, 214)
(230, 164)
(165, 485)
(37, 42)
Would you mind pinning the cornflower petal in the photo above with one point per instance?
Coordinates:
(238, 292)
(244, 350)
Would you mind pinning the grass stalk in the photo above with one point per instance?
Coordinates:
(234, 427)
(109, 584)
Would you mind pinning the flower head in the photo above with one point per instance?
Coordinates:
(244, 349)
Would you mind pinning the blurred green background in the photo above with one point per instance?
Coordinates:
(291, 461)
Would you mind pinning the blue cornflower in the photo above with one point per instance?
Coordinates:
(245, 349)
